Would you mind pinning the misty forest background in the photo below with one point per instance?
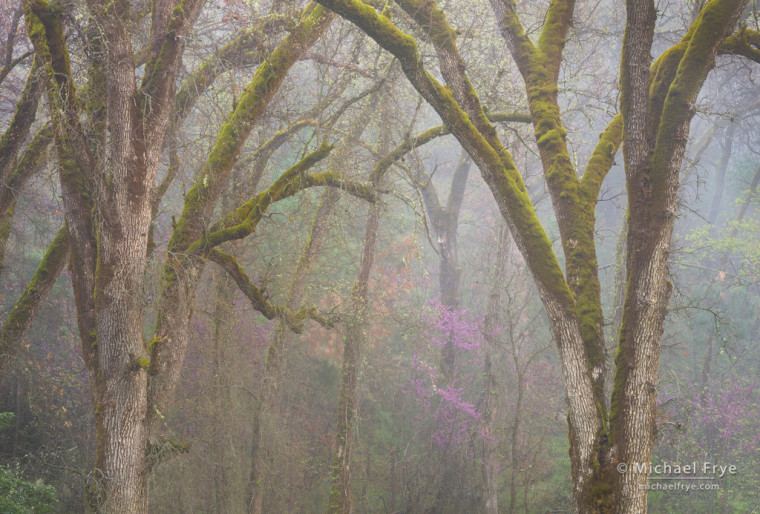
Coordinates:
(427, 421)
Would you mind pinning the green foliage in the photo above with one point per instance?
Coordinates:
(20, 496)
(6, 418)
(739, 241)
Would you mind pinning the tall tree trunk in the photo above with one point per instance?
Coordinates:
(275, 355)
(490, 465)
(445, 223)
(355, 340)
(274, 364)
(108, 216)
(514, 443)
(655, 136)
(229, 482)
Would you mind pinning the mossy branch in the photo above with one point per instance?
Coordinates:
(259, 299)
(713, 26)
(551, 42)
(453, 68)
(75, 163)
(258, 159)
(202, 196)
(37, 290)
(261, 201)
(243, 221)
(157, 89)
(512, 30)
(744, 42)
(426, 136)
(496, 166)
(4, 72)
(31, 161)
(163, 449)
(246, 49)
(16, 133)
(602, 159)
(46, 33)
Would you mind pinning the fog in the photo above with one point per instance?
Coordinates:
(313, 274)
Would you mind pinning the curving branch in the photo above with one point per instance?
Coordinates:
(33, 159)
(22, 314)
(602, 159)
(259, 299)
(744, 42)
(17, 131)
(243, 221)
(177, 283)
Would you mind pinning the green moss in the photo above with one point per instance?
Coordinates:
(602, 159)
(37, 289)
(551, 42)
(201, 198)
(714, 23)
(555, 136)
(154, 344)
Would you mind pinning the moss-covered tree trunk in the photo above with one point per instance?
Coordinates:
(108, 144)
(107, 202)
(655, 143)
(443, 218)
(657, 120)
(227, 462)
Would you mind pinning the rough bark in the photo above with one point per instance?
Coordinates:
(107, 270)
(655, 136)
